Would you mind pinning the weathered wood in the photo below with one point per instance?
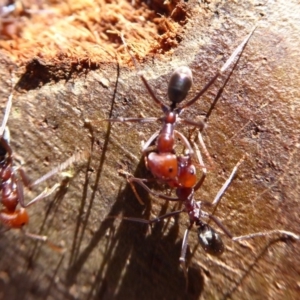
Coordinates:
(258, 114)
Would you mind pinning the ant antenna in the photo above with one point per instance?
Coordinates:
(159, 102)
(74, 158)
(229, 61)
(225, 186)
(127, 49)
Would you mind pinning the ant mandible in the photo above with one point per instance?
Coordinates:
(162, 161)
(12, 180)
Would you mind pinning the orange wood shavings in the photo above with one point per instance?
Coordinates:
(86, 30)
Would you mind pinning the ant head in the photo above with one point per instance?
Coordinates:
(210, 240)
(180, 83)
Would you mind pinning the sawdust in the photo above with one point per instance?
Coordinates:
(86, 31)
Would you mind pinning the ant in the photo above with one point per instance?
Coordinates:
(179, 171)
(12, 180)
(161, 159)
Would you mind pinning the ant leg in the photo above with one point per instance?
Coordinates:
(205, 150)
(287, 234)
(25, 179)
(185, 141)
(227, 183)
(151, 221)
(284, 233)
(141, 120)
(149, 142)
(220, 225)
(74, 158)
(219, 197)
(135, 191)
(130, 179)
(183, 252)
(160, 218)
(33, 236)
(198, 124)
(201, 162)
(149, 89)
(42, 238)
(27, 182)
(238, 51)
(47, 192)
(141, 181)
(148, 222)
(220, 91)
(5, 229)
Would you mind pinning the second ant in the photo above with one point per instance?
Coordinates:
(13, 179)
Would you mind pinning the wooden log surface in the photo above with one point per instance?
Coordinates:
(71, 71)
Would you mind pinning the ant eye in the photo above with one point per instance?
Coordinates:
(180, 82)
(210, 240)
(170, 170)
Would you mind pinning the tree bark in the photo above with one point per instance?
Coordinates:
(57, 109)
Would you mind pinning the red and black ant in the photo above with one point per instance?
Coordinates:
(178, 170)
(12, 180)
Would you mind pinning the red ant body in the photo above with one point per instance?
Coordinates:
(12, 180)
